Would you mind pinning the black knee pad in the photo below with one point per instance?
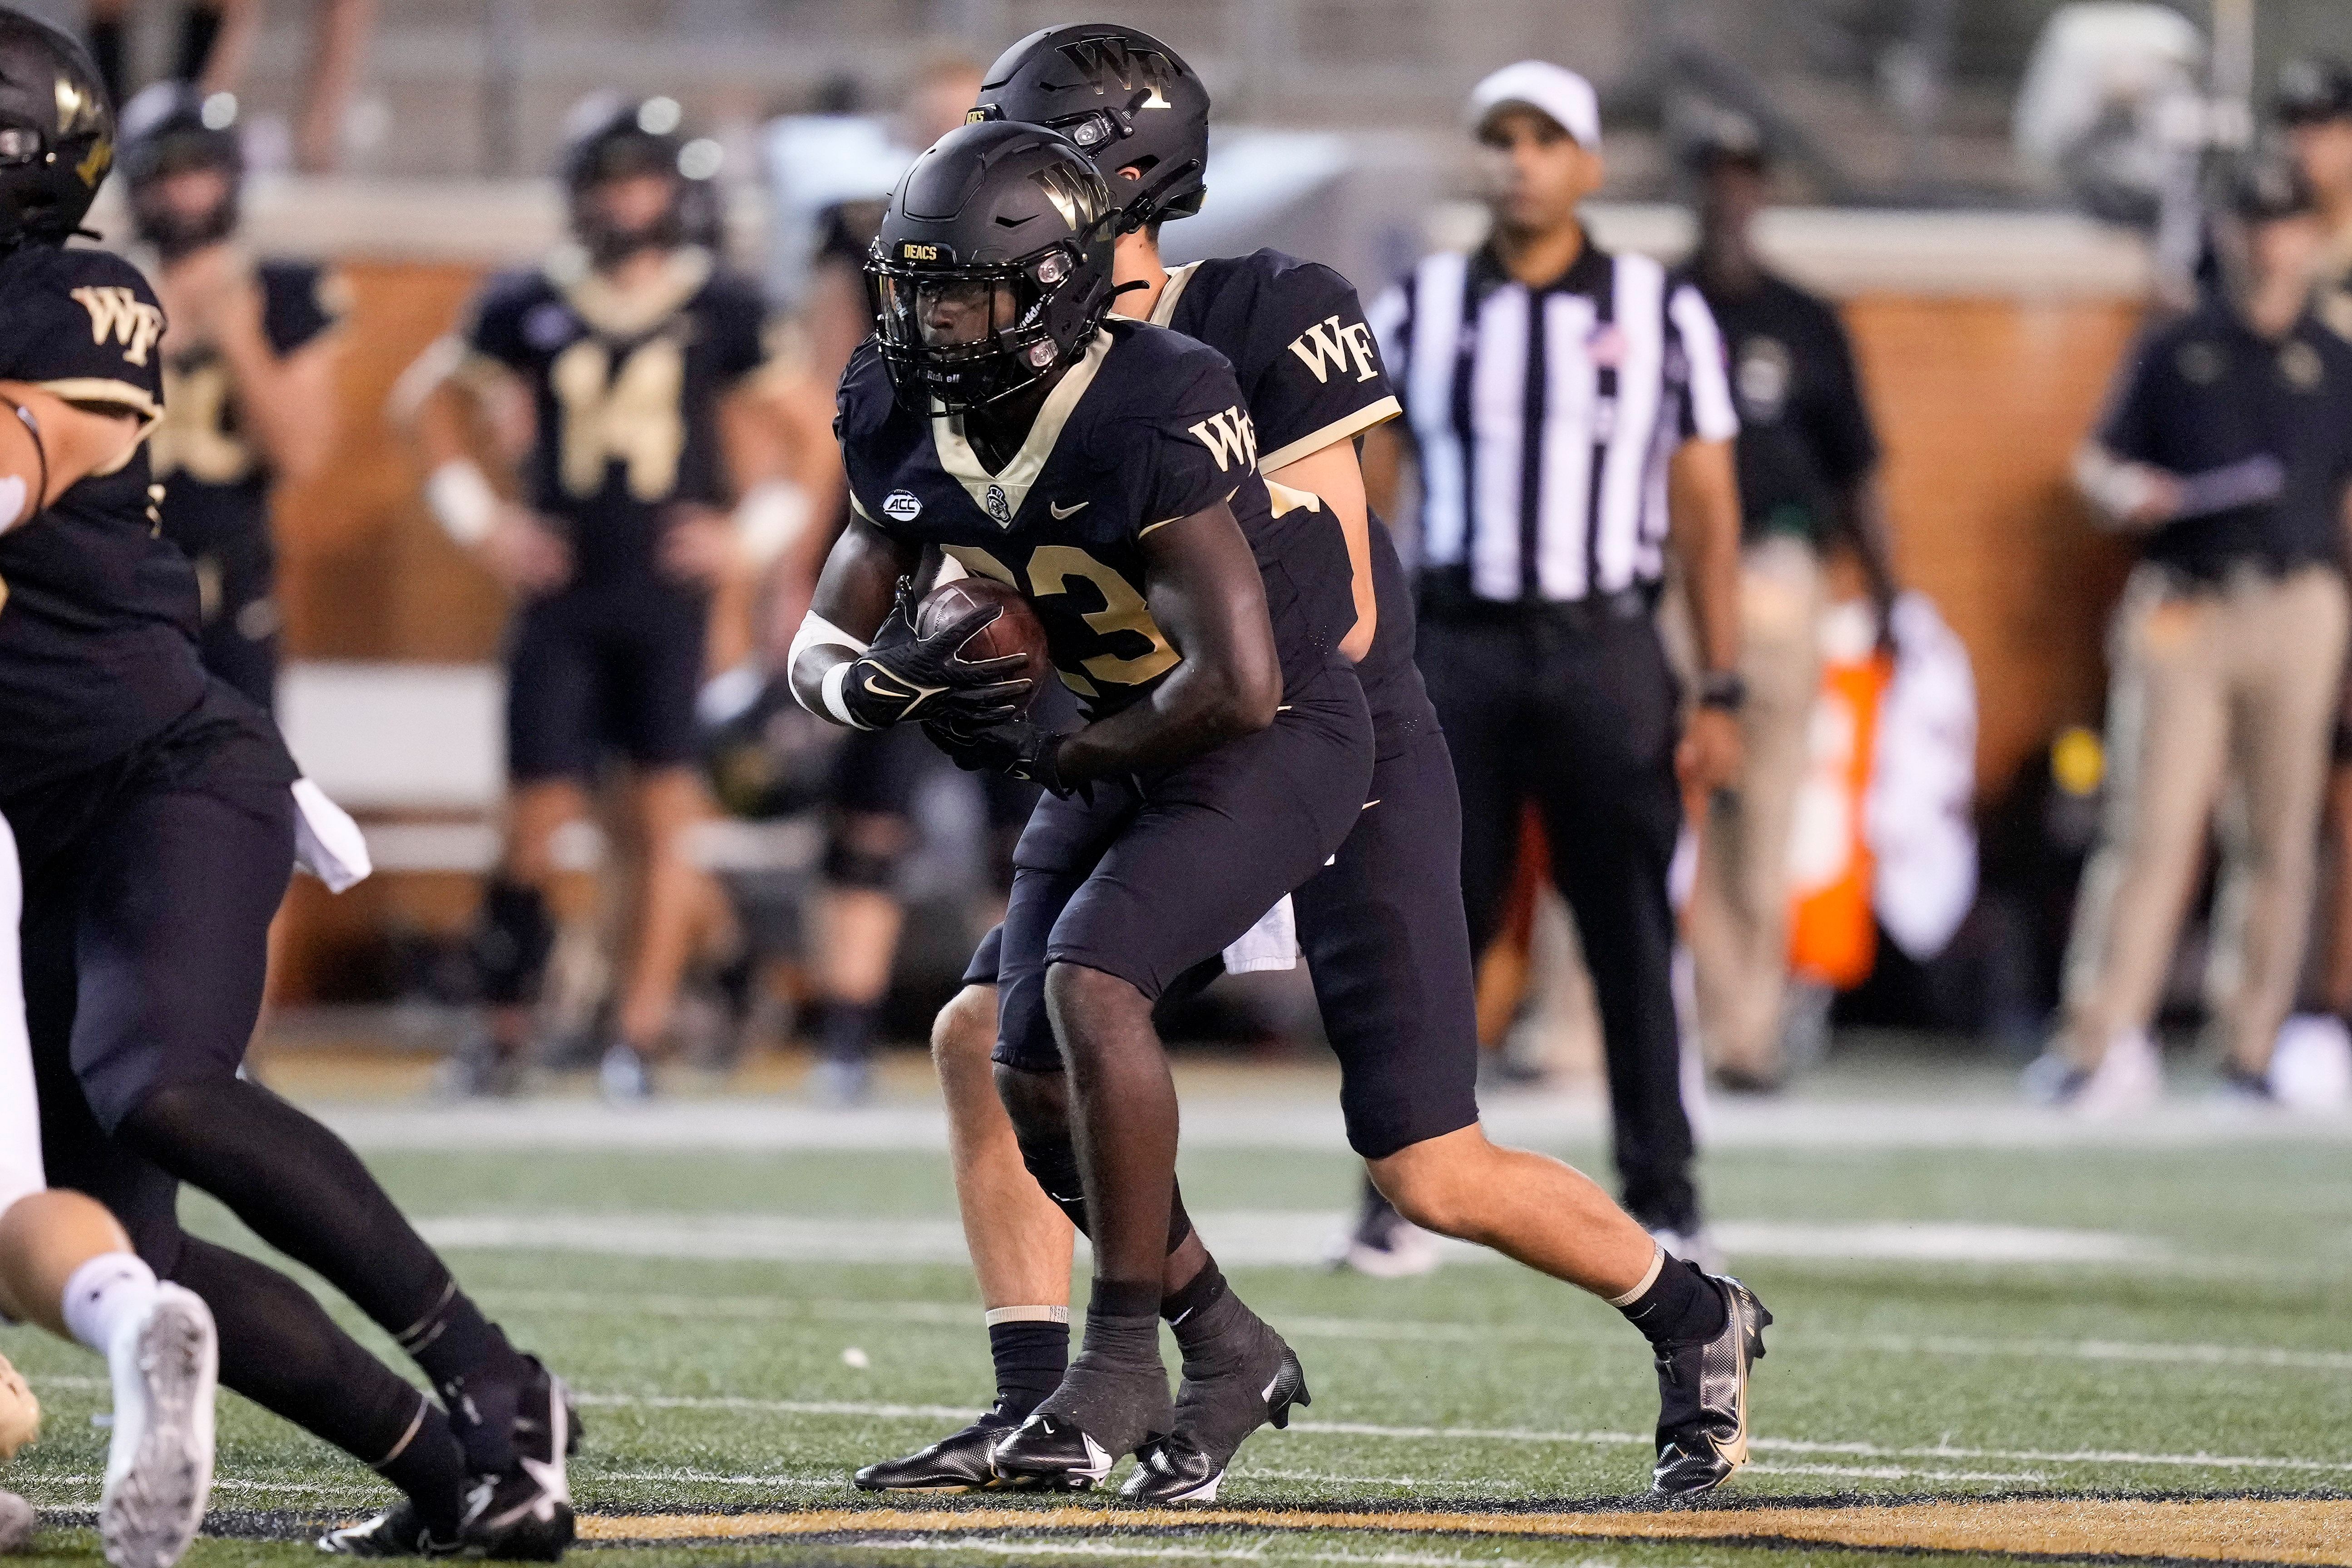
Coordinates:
(512, 937)
(1055, 1163)
(868, 871)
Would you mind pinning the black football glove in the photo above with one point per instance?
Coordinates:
(1017, 748)
(905, 676)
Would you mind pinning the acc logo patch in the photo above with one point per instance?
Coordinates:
(901, 506)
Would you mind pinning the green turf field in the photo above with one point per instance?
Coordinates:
(2161, 1322)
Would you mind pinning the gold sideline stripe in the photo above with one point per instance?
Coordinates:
(2225, 1530)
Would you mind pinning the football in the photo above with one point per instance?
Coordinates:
(1017, 631)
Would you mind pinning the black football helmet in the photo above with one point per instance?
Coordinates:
(613, 137)
(168, 129)
(1013, 220)
(1127, 99)
(57, 132)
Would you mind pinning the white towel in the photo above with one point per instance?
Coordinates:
(327, 843)
(1271, 943)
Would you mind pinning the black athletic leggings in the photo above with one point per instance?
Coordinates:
(145, 947)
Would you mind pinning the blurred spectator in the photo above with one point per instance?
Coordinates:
(2227, 452)
(249, 363)
(215, 46)
(641, 361)
(1570, 419)
(2315, 111)
(1806, 456)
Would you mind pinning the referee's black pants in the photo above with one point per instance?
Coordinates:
(1580, 715)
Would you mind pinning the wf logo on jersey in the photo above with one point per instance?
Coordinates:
(999, 508)
(1329, 346)
(119, 314)
(1230, 437)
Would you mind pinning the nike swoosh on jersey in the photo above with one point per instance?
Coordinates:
(1063, 514)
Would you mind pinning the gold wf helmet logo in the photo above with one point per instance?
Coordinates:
(120, 315)
(910, 251)
(1105, 60)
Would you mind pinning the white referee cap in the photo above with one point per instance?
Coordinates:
(1555, 90)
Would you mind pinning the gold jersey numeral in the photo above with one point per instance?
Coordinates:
(195, 435)
(631, 414)
(1051, 570)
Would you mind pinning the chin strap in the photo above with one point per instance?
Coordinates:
(1140, 211)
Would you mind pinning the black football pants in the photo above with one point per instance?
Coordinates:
(1581, 718)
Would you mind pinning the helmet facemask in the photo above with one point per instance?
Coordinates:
(960, 336)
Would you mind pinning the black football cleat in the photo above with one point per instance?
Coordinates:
(1104, 1411)
(395, 1532)
(1703, 1397)
(524, 1512)
(956, 1463)
(1244, 1379)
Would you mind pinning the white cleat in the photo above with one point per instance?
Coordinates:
(159, 1468)
(19, 1523)
(2310, 1065)
(2128, 1082)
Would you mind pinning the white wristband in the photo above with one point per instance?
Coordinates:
(771, 516)
(829, 693)
(463, 501)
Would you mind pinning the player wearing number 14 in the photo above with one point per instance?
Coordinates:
(633, 348)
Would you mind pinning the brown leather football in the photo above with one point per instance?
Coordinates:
(1017, 631)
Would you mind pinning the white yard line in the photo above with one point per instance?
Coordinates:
(1409, 1331)
(1265, 1238)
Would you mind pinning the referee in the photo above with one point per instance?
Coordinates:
(1570, 419)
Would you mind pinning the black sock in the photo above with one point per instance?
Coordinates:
(1201, 1291)
(1678, 1307)
(847, 1032)
(279, 1349)
(1031, 1355)
(1123, 1299)
(303, 1191)
(430, 1468)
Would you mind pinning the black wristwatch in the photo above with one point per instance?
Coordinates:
(1724, 689)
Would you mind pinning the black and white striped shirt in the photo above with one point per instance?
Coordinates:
(1543, 418)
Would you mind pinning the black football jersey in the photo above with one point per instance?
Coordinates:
(98, 611)
(1311, 374)
(627, 392)
(1147, 427)
(216, 483)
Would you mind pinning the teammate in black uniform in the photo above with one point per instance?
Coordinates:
(633, 349)
(248, 370)
(152, 809)
(1107, 473)
(1382, 927)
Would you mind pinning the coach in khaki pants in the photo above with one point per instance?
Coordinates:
(2227, 447)
(1806, 455)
